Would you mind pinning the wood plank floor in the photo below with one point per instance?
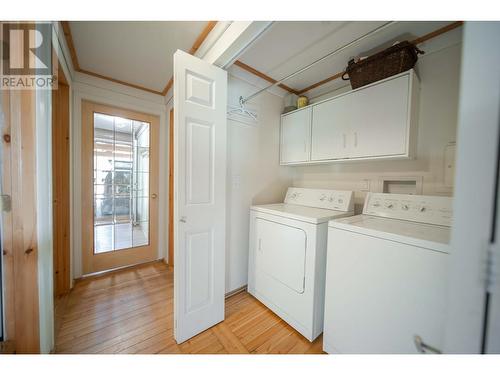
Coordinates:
(131, 311)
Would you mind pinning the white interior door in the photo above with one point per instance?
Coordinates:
(473, 318)
(200, 100)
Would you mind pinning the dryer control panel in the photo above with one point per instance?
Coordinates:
(418, 208)
(340, 200)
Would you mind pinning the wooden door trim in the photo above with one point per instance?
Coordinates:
(94, 263)
(60, 186)
(171, 189)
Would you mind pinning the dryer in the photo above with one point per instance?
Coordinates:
(386, 276)
(287, 254)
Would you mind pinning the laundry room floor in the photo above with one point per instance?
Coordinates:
(131, 311)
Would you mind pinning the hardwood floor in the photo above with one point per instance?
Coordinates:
(131, 311)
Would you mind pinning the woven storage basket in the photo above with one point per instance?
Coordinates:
(391, 61)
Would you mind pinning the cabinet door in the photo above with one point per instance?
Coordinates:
(330, 129)
(380, 120)
(296, 136)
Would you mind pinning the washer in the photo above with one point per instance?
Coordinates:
(287, 254)
(386, 275)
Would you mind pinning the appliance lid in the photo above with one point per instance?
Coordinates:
(430, 236)
(297, 212)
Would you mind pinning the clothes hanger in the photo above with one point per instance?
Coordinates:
(241, 111)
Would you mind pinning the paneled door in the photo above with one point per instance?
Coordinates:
(200, 100)
(119, 179)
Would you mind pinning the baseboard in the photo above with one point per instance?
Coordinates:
(236, 291)
(113, 270)
(7, 347)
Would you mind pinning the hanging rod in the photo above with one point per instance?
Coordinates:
(350, 44)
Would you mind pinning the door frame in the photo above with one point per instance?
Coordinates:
(171, 196)
(92, 263)
(61, 184)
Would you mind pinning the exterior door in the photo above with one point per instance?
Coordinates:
(120, 187)
(200, 100)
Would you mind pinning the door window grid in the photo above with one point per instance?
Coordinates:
(121, 183)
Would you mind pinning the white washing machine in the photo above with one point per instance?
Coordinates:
(386, 276)
(287, 254)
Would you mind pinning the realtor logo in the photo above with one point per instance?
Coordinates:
(27, 56)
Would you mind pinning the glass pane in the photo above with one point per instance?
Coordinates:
(141, 184)
(103, 210)
(141, 132)
(141, 209)
(123, 236)
(103, 238)
(140, 233)
(121, 183)
(122, 177)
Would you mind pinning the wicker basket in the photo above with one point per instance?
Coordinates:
(391, 61)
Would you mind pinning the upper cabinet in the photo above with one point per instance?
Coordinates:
(372, 122)
(295, 137)
(331, 132)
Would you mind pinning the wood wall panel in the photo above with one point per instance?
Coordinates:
(60, 182)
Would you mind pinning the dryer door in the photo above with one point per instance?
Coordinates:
(281, 253)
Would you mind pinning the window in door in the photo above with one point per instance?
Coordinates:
(121, 183)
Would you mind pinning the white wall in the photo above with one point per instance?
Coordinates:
(254, 174)
(439, 71)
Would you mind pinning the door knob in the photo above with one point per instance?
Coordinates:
(183, 219)
(153, 196)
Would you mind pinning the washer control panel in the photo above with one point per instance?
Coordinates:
(339, 200)
(418, 208)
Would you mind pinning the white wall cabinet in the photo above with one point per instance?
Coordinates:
(373, 122)
(296, 136)
(331, 129)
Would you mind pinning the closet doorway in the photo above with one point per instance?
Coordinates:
(119, 187)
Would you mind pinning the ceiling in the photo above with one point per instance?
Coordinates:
(139, 53)
(288, 46)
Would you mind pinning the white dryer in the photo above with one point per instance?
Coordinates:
(386, 276)
(287, 254)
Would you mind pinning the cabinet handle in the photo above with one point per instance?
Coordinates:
(344, 137)
(305, 146)
(355, 139)
(260, 244)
